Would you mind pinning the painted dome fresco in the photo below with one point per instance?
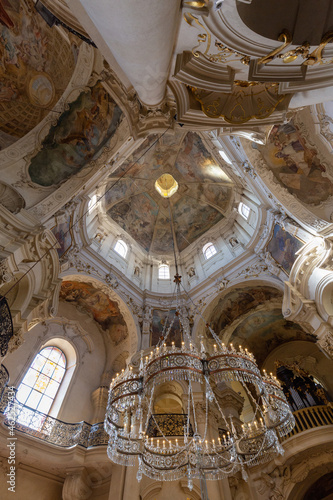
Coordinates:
(179, 179)
(37, 63)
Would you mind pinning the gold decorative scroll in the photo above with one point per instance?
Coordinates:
(284, 37)
(224, 55)
(316, 56)
(202, 37)
(243, 104)
(303, 51)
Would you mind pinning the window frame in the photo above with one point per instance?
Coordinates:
(121, 243)
(207, 249)
(164, 266)
(35, 409)
(244, 210)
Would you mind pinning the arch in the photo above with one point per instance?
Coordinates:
(169, 398)
(324, 296)
(129, 318)
(238, 284)
(10, 198)
(312, 475)
(308, 356)
(323, 486)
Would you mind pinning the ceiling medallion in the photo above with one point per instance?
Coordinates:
(166, 185)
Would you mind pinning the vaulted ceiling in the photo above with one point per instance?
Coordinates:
(202, 200)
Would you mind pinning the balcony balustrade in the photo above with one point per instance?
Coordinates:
(66, 435)
(168, 424)
(311, 418)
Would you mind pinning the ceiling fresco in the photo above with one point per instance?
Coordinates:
(201, 201)
(104, 311)
(263, 331)
(63, 233)
(78, 137)
(36, 67)
(283, 247)
(162, 320)
(10, 198)
(238, 302)
(296, 165)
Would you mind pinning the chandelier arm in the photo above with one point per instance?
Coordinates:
(186, 333)
(206, 420)
(173, 232)
(216, 338)
(188, 411)
(162, 340)
(220, 409)
(149, 408)
(194, 416)
(165, 337)
(254, 457)
(258, 408)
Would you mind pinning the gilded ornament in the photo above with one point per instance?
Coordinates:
(284, 37)
(310, 59)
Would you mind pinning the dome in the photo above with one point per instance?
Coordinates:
(196, 193)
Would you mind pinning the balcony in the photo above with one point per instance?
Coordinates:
(311, 418)
(49, 429)
(168, 424)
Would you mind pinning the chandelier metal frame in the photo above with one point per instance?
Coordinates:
(131, 400)
(197, 455)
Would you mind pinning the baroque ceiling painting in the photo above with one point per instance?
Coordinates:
(161, 322)
(201, 201)
(10, 198)
(105, 312)
(166, 239)
(283, 247)
(238, 302)
(63, 233)
(263, 331)
(36, 67)
(296, 165)
(78, 137)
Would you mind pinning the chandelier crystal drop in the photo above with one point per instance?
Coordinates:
(197, 453)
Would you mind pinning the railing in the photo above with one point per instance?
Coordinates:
(49, 429)
(168, 424)
(6, 326)
(4, 377)
(310, 418)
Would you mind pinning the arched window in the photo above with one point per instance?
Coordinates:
(40, 384)
(164, 272)
(121, 248)
(244, 210)
(209, 250)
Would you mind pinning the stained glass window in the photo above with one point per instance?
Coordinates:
(41, 383)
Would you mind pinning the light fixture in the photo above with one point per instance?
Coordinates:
(201, 452)
(193, 455)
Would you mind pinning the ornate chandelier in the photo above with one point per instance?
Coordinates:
(198, 453)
